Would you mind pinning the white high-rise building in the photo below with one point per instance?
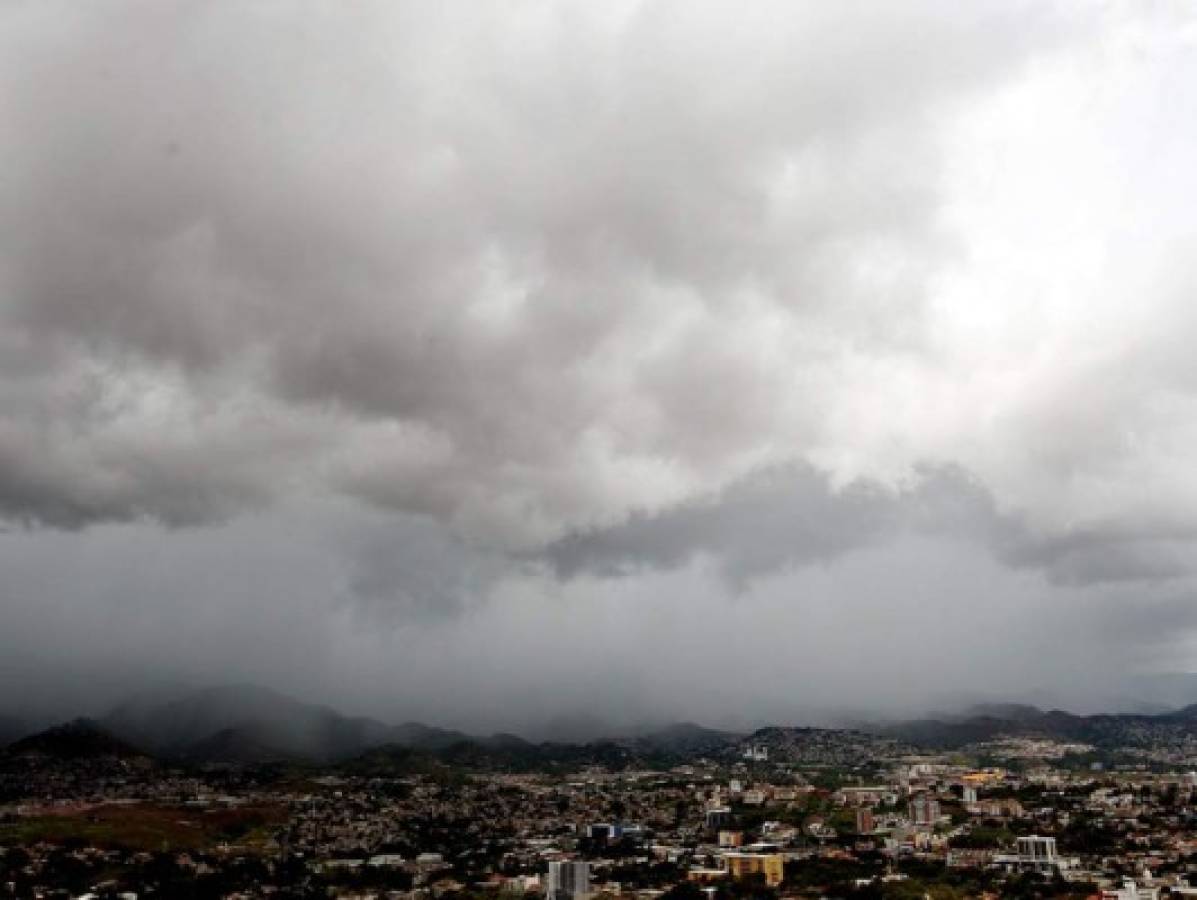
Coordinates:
(1034, 848)
(568, 880)
(1035, 853)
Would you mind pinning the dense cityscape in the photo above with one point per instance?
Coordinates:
(683, 813)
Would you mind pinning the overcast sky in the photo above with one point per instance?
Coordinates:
(487, 363)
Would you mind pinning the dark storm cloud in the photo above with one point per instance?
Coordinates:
(515, 240)
(795, 515)
(352, 349)
(778, 518)
(1113, 555)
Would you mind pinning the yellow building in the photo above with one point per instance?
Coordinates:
(984, 776)
(742, 865)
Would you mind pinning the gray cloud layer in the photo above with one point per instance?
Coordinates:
(513, 268)
(411, 325)
(792, 516)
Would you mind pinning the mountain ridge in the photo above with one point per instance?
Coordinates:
(248, 724)
(74, 740)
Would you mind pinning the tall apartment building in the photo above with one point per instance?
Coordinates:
(568, 880)
(741, 865)
(924, 810)
(1037, 852)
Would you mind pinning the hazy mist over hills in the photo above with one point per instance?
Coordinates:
(575, 369)
(245, 725)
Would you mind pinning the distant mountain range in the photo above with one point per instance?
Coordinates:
(247, 724)
(1102, 731)
(80, 739)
